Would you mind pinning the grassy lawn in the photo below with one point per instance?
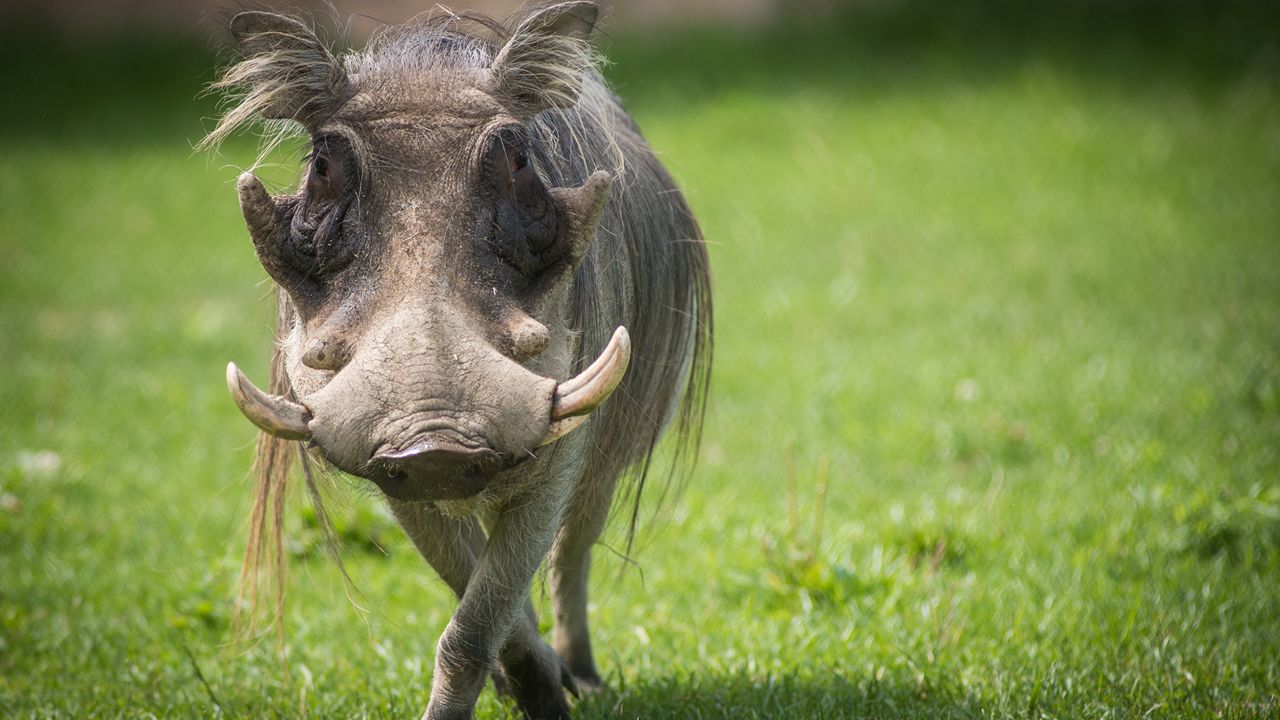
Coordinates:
(995, 426)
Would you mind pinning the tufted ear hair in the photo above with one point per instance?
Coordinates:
(543, 63)
(288, 70)
(284, 73)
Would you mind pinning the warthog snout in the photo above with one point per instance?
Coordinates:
(442, 457)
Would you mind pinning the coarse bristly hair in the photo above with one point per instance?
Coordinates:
(648, 268)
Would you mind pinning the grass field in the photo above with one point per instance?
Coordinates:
(995, 422)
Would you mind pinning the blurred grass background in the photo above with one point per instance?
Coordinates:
(996, 410)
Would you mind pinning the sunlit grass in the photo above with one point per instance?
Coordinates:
(994, 430)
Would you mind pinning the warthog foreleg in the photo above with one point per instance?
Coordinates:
(585, 518)
(495, 620)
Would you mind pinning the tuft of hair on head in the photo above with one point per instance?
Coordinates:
(285, 76)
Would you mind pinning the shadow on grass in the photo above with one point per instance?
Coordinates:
(787, 696)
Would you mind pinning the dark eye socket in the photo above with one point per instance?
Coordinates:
(318, 238)
(525, 225)
(507, 153)
(516, 159)
(330, 162)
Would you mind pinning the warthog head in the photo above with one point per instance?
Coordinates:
(426, 255)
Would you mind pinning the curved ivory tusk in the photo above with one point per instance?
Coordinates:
(560, 428)
(583, 393)
(271, 413)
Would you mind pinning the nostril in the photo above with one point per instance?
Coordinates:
(435, 468)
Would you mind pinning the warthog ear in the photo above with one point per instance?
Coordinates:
(284, 73)
(285, 66)
(543, 63)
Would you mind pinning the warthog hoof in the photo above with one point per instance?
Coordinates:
(538, 685)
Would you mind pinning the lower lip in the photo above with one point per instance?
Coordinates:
(463, 483)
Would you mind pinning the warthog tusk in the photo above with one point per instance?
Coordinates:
(560, 428)
(584, 392)
(271, 413)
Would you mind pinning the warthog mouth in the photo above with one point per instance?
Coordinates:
(436, 468)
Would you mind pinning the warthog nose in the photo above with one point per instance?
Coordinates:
(430, 456)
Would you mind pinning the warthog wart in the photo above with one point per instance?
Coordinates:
(493, 300)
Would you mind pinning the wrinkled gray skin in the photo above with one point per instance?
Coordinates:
(477, 218)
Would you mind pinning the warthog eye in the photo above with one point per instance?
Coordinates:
(317, 241)
(516, 159)
(525, 226)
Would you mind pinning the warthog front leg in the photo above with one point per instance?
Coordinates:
(585, 518)
(494, 620)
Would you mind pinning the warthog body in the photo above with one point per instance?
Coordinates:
(493, 301)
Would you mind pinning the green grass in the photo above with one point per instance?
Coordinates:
(995, 426)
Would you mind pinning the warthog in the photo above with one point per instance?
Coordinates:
(493, 300)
